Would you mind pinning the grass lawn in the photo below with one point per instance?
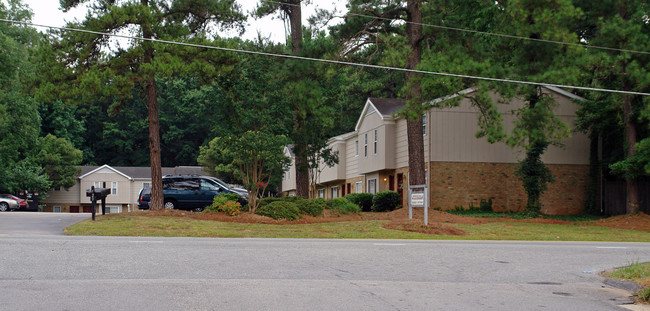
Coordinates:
(145, 225)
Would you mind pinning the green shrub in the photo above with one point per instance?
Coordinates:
(269, 200)
(313, 207)
(220, 201)
(342, 206)
(363, 200)
(279, 210)
(231, 208)
(385, 201)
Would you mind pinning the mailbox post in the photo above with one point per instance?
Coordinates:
(98, 194)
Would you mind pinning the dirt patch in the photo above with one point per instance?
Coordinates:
(439, 222)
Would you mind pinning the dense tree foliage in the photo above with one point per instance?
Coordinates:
(27, 160)
(116, 75)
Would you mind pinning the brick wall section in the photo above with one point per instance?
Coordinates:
(464, 183)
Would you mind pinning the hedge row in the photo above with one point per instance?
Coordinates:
(292, 208)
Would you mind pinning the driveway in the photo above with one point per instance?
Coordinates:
(12, 223)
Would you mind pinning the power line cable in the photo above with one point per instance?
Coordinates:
(485, 32)
(328, 61)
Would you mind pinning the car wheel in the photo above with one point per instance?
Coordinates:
(197, 210)
(171, 204)
(4, 206)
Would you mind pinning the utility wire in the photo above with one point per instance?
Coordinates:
(328, 61)
(484, 32)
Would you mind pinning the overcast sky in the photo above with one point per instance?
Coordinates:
(47, 12)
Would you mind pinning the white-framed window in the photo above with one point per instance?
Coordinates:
(97, 184)
(372, 186)
(375, 143)
(424, 124)
(321, 193)
(365, 144)
(335, 192)
(146, 185)
(356, 147)
(113, 209)
(56, 209)
(114, 188)
(358, 187)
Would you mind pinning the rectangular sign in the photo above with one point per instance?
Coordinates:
(417, 198)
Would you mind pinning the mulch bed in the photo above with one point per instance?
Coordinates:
(438, 221)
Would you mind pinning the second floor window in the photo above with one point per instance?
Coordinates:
(424, 124)
(114, 188)
(365, 144)
(356, 147)
(375, 143)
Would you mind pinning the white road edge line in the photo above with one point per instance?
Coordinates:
(387, 244)
(612, 247)
(145, 241)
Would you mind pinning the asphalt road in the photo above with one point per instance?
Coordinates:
(52, 272)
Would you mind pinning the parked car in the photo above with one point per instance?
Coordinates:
(187, 192)
(8, 204)
(22, 204)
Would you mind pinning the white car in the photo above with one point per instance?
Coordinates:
(8, 205)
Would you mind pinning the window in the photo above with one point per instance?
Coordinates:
(209, 186)
(358, 187)
(356, 147)
(321, 193)
(424, 124)
(365, 144)
(57, 209)
(335, 192)
(375, 143)
(113, 209)
(98, 184)
(114, 188)
(372, 186)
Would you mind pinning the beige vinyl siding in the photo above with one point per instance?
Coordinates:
(352, 160)
(336, 172)
(401, 144)
(136, 186)
(289, 184)
(71, 196)
(124, 192)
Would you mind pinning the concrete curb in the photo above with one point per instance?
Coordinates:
(624, 285)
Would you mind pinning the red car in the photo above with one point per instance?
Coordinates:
(22, 204)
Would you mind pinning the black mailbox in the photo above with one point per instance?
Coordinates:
(100, 193)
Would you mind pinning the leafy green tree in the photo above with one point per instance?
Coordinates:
(305, 90)
(253, 157)
(101, 71)
(536, 126)
(59, 159)
(22, 152)
(623, 25)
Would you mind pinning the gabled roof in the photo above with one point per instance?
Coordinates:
(104, 167)
(140, 172)
(385, 107)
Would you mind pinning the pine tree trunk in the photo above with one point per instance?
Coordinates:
(302, 168)
(154, 125)
(414, 95)
(632, 185)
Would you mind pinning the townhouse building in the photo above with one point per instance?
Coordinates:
(125, 183)
(461, 170)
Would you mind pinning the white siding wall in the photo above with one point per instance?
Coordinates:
(124, 186)
(64, 197)
(352, 160)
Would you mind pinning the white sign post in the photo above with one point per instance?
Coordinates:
(418, 198)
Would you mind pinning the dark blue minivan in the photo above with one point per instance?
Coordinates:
(187, 192)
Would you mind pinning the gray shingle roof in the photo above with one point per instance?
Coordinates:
(388, 106)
